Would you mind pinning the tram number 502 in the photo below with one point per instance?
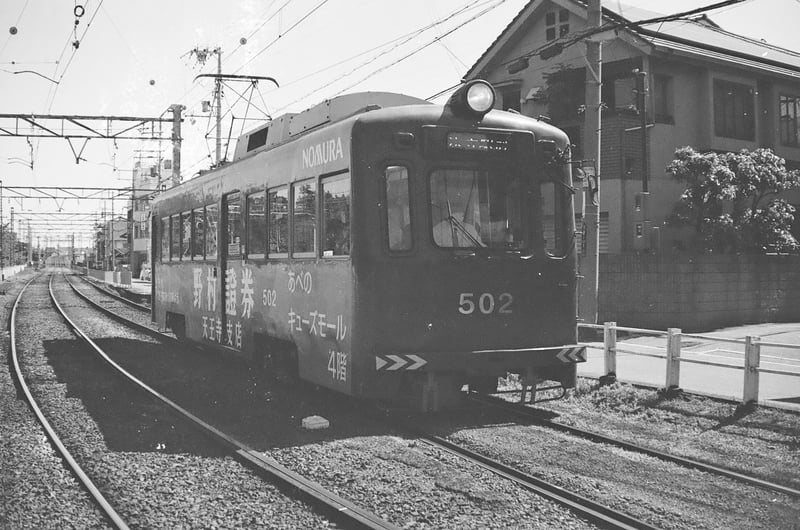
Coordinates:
(486, 303)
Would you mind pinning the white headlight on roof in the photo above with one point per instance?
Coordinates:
(480, 97)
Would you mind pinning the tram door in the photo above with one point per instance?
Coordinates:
(231, 249)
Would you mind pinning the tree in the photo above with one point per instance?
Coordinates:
(731, 200)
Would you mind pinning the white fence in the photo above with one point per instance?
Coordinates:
(750, 360)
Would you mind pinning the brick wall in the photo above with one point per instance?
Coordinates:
(698, 293)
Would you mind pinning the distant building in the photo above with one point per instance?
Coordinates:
(146, 179)
(705, 87)
(111, 244)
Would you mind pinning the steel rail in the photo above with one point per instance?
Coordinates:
(337, 507)
(102, 503)
(530, 414)
(114, 295)
(578, 504)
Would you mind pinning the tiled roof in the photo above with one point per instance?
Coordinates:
(699, 37)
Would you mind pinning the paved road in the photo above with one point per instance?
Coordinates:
(718, 381)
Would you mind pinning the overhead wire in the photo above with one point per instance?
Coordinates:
(8, 38)
(407, 38)
(410, 37)
(268, 46)
(420, 48)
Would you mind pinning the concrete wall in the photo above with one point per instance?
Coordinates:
(698, 293)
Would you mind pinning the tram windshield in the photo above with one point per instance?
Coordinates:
(496, 209)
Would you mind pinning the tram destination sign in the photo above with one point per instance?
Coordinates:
(477, 141)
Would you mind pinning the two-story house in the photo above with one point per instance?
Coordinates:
(702, 86)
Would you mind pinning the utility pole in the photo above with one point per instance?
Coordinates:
(176, 145)
(2, 261)
(13, 238)
(218, 98)
(590, 262)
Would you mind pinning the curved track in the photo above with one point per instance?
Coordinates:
(100, 501)
(336, 507)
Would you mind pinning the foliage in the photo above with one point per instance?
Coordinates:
(564, 93)
(731, 200)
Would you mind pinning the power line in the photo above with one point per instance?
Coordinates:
(268, 46)
(620, 23)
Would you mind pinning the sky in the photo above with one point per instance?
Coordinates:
(133, 58)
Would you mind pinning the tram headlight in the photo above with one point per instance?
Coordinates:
(480, 97)
(475, 97)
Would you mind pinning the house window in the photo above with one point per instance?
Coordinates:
(510, 98)
(552, 26)
(789, 113)
(734, 110)
(662, 99)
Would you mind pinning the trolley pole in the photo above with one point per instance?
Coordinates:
(590, 262)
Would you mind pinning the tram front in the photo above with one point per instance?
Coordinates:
(466, 267)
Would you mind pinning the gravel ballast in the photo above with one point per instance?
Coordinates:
(408, 482)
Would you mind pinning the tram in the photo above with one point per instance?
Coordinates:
(381, 246)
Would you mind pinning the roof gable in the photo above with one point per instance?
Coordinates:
(698, 37)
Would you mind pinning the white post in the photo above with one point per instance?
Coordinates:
(752, 359)
(610, 348)
(673, 359)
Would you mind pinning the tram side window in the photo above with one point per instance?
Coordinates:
(304, 217)
(554, 226)
(198, 233)
(233, 229)
(279, 222)
(175, 246)
(212, 223)
(256, 224)
(165, 232)
(398, 215)
(186, 242)
(335, 194)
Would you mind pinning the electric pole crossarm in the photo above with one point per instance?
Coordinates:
(233, 77)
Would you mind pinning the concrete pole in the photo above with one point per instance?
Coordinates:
(590, 262)
(218, 97)
(30, 243)
(2, 259)
(176, 145)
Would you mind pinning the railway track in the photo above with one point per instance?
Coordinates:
(595, 512)
(534, 416)
(585, 508)
(334, 507)
(589, 510)
(60, 447)
(116, 296)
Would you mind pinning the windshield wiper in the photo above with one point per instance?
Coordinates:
(461, 228)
